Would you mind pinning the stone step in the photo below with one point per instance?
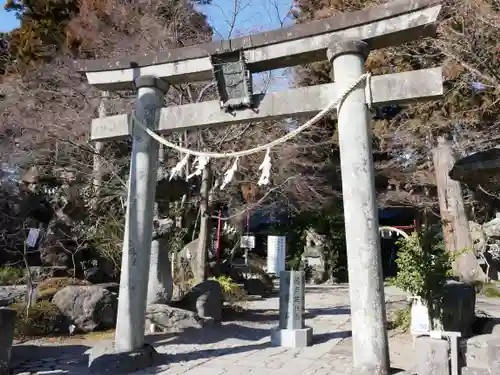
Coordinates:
(475, 371)
(475, 351)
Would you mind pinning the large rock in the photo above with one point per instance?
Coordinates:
(168, 319)
(7, 320)
(492, 227)
(11, 294)
(475, 350)
(494, 356)
(432, 356)
(481, 168)
(87, 307)
(459, 305)
(205, 299)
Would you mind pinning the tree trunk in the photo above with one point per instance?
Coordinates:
(203, 239)
(454, 220)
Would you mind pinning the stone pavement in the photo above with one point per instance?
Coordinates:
(241, 345)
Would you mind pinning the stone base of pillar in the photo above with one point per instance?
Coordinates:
(292, 338)
(106, 359)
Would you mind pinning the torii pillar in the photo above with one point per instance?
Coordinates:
(366, 287)
(138, 234)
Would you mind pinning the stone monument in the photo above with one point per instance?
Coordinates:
(292, 332)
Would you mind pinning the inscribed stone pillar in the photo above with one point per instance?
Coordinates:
(292, 295)
(160, 284)
(292, 331)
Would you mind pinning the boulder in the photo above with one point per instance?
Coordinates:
(256, 287)
(168, 319)
(11, 294)
(459, 304)
(205, 299)
(475, 350)
(480, 168)
(492, 227)
(7, 320)
(87, 307)
(432, 356)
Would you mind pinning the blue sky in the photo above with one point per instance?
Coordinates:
(8, 20)
(260, 15)
(245, 16)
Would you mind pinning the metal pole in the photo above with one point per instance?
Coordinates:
(129, 334)
(366, 288)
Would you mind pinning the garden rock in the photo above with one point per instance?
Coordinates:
(432, 356)
(459, 305)
(205, 299)
(11, 294)
(256, 287)
(7, 320)
(87, 307)
(475, 351)
(168, 319)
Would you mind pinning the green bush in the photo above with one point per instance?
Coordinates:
(43, 318)
(423, 271)
(11, 276)
(403, 319)
(232, 291)
(107, 239)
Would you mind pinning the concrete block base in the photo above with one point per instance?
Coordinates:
(292, 338)
(432, 356)
(106, 359)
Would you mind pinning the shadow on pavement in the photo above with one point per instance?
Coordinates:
(327, 311)
(272, 315)
(322, 338)
(35, 352)
(212, 353)
(212, 335)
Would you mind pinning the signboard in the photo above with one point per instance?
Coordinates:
(420, 323)
(247, 242)
(32, 237)
(276, 254)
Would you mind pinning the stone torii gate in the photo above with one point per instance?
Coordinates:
(345, 40)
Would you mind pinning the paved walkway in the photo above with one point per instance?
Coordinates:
(240, 346)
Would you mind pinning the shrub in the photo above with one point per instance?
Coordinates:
(107, 239)
(423, 272)
(43, 318)
(11, 276)
(402, 319)
(47, 288)
(232, 291)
